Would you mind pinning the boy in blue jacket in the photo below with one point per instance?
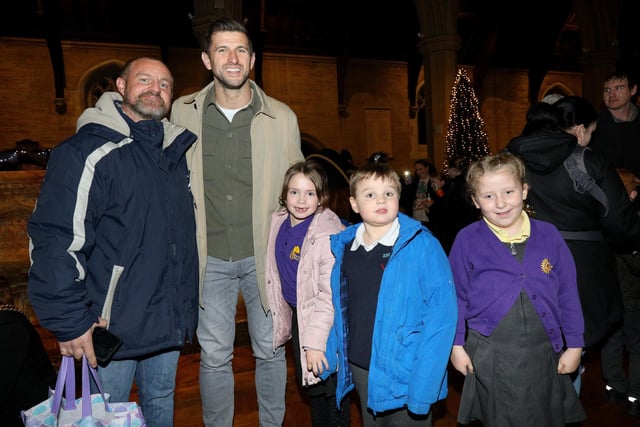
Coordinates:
(395, 306)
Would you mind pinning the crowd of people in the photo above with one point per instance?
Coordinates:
(175, 217)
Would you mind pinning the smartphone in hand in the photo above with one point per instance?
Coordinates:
(105, 344)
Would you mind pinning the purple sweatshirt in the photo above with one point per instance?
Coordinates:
(488, 280)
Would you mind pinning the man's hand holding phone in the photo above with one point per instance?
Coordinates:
(105, 344)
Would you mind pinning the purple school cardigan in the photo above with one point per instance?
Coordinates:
(488, 280)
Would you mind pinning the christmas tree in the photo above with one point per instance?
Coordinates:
(466, 137)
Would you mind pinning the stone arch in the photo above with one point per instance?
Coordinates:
(97, 80)
(555, 88)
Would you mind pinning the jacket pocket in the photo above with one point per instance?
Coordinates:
(116, 272)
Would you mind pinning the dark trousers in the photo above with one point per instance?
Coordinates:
(322, 396)
(396, 418)
(612, 356)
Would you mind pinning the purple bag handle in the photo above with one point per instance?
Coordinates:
(64, 383)
(86, 389)
(67, 381)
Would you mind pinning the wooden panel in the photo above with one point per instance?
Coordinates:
(19, 190)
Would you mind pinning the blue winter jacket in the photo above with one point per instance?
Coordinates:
(116, 210)
(414, 326)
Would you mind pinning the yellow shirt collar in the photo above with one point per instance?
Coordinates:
(525, 230)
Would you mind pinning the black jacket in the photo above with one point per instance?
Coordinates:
(25, 368)
(553, 199)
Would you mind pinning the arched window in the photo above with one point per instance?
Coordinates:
(555, 92)
(100, 80)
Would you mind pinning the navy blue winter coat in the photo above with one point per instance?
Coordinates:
(114, 210)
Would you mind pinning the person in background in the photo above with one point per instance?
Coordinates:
(25, 368)
(623, 385)
(391, 272)
(246, 142)
(115, 208)
(299, 262)
(418, 196)
(517, 339)
(617, 136)
(552, 134)
(457, 210)
(439, 186)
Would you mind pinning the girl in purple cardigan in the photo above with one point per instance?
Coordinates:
(520, 325)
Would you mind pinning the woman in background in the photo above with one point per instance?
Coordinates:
(553, 134)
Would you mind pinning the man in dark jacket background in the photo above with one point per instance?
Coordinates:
(618, 139)
(115, 216)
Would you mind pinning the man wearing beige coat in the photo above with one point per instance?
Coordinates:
(246, 141)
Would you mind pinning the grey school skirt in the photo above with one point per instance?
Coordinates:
(515, 382)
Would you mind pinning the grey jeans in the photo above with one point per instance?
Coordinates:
(216, 334)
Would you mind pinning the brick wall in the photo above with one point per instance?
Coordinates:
(308, 84)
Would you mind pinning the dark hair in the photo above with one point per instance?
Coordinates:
(565, 113)
(374, 170)
(576, 111)
(542, 115)
(431, 168)
(316, 174)
(379, 157)
(621, 75)
(224, 24)
(458, 162)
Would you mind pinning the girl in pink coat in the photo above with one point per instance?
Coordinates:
(299, 263)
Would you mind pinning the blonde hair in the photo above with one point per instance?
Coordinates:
(493, 163)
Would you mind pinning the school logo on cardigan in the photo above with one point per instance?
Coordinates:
(546, 266)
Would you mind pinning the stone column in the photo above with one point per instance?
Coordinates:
(440, 67)
(439, 47)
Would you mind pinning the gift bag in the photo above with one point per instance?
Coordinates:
(90, 410)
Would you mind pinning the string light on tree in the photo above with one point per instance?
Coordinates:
(466, 135)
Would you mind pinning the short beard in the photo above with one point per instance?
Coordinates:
(146, 112)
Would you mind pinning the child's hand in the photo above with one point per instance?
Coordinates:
(316, 361)
(569, 360)
(461, 360)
